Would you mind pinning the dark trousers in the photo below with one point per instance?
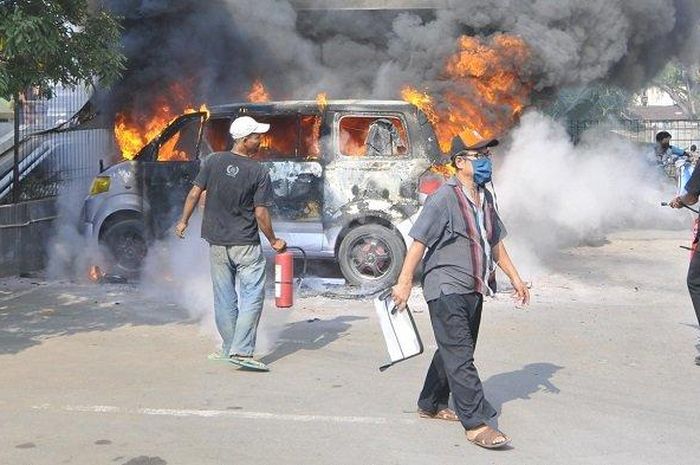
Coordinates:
(456, 319)
(694, 283)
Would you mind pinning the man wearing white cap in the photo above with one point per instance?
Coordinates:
(239, 192)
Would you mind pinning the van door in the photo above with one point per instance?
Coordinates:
(167, 168)
(372, 162)
(291, 151)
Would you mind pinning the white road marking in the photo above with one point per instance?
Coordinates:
(108, 409)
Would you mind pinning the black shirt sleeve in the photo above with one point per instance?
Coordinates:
(263, 196)
(203, 176)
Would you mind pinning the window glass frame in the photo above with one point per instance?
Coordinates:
(169, 132)
(296, 156)
(373, 115)
(224, 117)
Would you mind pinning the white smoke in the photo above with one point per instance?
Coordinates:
(555, 194)
(69, 252)
(177, 271)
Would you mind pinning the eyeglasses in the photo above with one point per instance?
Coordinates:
(474, 155)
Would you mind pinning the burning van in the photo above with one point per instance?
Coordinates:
(346, 177)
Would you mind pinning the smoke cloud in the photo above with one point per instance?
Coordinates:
(554, 194)
(176, 271)
(218, 48)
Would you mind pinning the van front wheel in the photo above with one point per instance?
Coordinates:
(371, 256)
(126, 243)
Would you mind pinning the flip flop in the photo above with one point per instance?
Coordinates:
(487, 437)
(249, 363)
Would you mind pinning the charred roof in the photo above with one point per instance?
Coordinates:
(311, 106)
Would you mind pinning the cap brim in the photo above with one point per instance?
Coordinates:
(486, 143)
(261, 128)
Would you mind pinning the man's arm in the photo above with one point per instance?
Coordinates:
(685, 199)
(502, 259)
(190, 203)
(692, 188)
(402, 290)
(262, 215)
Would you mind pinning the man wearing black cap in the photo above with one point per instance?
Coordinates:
(461, 231)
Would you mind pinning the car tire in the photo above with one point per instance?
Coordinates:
(371, 256)
(126, 244)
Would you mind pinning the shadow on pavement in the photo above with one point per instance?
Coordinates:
(63, 309)
(520, 384)
(309, 335)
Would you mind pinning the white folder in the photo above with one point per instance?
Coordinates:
(399, 329)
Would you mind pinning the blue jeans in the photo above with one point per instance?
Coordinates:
(237, 314)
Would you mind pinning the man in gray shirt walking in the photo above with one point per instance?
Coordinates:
(238, 194)
(460, 228)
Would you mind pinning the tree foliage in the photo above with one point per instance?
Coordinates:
(594, 102)
(682, 83)
(45, 42)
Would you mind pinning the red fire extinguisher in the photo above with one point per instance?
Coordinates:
(284, 277)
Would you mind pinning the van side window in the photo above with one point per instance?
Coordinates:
(182, 145)
(372, 136)
(216, 137)
(280, 141)
(290, 137)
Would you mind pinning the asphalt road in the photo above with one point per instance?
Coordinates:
(599, 370)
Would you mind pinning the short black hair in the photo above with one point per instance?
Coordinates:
(662, 135)
(454, 156)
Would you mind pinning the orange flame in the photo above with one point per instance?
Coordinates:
(258, 93)
(133, 131)
(322, 101)
(423, 101)
(95, 274)
(446, 170)
(486, 91)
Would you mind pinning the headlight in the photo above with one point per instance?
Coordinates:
(99, 185)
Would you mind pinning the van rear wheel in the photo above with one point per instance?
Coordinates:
(371, 256)
(127, 246)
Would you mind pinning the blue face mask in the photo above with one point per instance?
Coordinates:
(483, 169)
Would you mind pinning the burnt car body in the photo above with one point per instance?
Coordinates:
(345, 178)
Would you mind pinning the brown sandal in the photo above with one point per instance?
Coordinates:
(444, 414)
(488, 437)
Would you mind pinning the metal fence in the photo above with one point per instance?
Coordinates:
(53, 154)
(684, 132)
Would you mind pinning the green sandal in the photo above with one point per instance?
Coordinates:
(248, 363)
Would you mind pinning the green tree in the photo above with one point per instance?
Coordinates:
(595, 102)
(45, 42)
(682, 83)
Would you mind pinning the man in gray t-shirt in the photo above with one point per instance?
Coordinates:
(238, 194)
(461, 235)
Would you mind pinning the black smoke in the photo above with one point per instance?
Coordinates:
(217, 48)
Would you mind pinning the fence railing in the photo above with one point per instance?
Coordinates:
(684, 132)
(52, 155)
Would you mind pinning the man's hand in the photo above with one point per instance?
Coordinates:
(676, 203)
(278, 245)
(521, 293)
(180, 229)
(400, 294)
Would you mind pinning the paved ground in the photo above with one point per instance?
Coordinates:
(598, 371)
